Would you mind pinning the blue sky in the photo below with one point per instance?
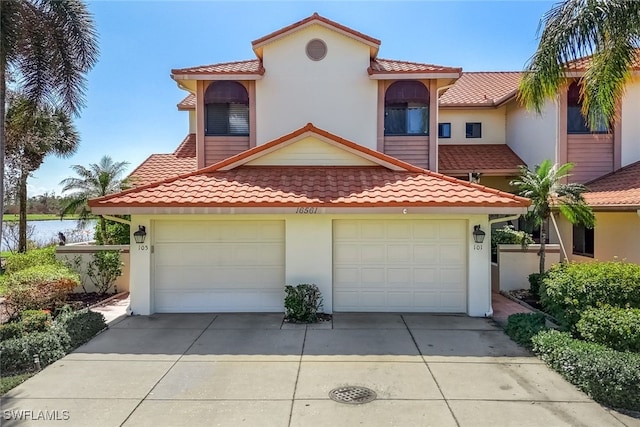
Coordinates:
(131, 100)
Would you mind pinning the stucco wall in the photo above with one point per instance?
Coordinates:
(308, 253)
(616, 236)
(515, 265)
(334, 94)
(630, 149)
(493, 125)
(85, 253)
(531, 136)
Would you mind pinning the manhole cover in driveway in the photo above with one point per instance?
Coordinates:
(352, 394)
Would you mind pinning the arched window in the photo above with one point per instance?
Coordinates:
(226, 109)
(406, 109)
(576, 122)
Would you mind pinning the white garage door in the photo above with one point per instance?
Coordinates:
(218, 266)
(400, 265)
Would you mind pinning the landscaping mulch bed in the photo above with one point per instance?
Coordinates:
(82, 300)
(526, 296)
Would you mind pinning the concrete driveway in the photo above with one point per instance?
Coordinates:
(253, 370)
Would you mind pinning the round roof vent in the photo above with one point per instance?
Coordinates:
(316, 49)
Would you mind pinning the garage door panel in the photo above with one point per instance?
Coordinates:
(400, 265)
(216, 266)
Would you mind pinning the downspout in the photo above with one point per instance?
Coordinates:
(555, 226)
(117, 219)
(491, 222)
(440, 89)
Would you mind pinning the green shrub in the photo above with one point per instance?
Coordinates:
(571, 288)
(535, 281)
(18, 353)
(104, 269)
(521, 327)
(618, 328)
(11, 330)
(302, 303)
(507, 235)
(33, 258)
(608, 376)
(80, 325)
(40, 288)
(35, 320)
(116, 233)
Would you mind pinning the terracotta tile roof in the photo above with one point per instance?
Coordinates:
(250, 66)
(390, 66)
(486, 158)
(309, 20)
(482, 89)
(322, 186)
(620, 188)
(189, 103)
(581, 64)
(158, 167)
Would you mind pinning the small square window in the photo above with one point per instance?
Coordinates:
(474, 130)
(444, 130)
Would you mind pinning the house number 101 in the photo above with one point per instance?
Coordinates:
(477, 247)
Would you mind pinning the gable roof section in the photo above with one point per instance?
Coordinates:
(489, 159)
(374, 44)
(162, 166)
(482, 89)
(310, 130)
(387, 68)
(250, 69)
(581, 64)
(619, 189)
(233, 184)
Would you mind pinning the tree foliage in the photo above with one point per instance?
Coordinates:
(599, 38)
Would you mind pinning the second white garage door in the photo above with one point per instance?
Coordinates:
(400, 265)
(218, 266)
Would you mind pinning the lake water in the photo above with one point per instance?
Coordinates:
(44, 232)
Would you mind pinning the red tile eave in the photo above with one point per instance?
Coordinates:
(314, 17)
(311, 128)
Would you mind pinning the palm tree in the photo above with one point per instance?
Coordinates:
(46, 49)
(607, 32)
(32, 133)
(546, 188)
(99, 179)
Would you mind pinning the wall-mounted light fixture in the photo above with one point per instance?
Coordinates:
(478, 234)
(140, 235)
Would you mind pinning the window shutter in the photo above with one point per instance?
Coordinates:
(217, 119)
(238, 119)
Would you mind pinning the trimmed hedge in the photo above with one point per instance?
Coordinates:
(571, 288)
(32, 258)
(80, 325)
(610, 377)
(521, 327)
(41, 287)
(18, 353)
(35, 320)
(11, 330)
(535, 281)
(617, 328)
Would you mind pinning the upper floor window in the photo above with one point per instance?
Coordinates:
(576, 122)
(473, 130)
(406, 109)
(226, 106)
(444, 130)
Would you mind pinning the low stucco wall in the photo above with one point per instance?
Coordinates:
(85, 252)
(515, 265)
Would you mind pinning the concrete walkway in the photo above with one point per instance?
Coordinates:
(255, 370)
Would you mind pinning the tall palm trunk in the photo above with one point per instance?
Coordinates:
(543, 240)
(22, 225)
(3, 97)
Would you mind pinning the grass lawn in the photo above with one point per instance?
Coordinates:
(7, 383)
(37, 217)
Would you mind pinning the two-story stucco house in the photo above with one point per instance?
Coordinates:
(319, 162)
